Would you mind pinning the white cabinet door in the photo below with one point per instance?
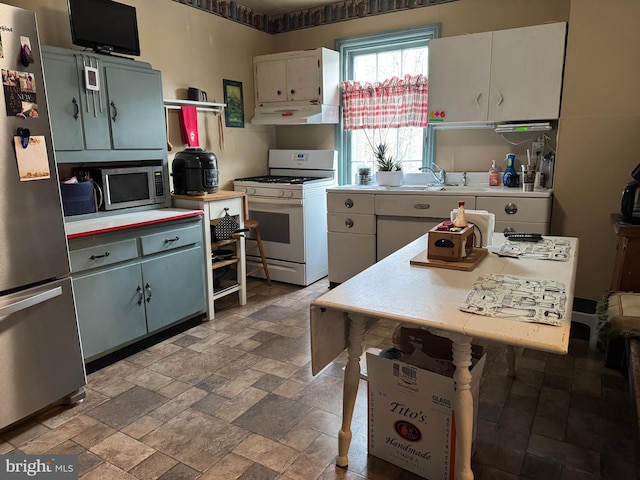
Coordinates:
(526, 73)
(396, 232)
(271, 81)
(349, 254)
(303, 78)
(288, 79)
(459, 72)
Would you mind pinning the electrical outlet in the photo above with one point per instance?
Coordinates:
(537, 146)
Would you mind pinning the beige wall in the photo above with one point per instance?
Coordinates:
(191, 48)
(599, 132)
(600, 119)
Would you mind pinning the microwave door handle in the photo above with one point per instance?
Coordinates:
(100, 195)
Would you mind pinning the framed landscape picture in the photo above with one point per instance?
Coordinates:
(234, 112)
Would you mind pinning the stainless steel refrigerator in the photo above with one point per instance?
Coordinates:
(40, 354)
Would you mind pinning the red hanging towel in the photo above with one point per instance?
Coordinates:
(189, 125)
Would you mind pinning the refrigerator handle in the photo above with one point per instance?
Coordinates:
(6, 310)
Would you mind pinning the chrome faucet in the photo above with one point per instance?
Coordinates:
(440, 176)
(463, 180)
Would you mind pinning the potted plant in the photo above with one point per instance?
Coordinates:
(389, 169)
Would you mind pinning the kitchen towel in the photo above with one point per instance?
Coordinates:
(484, 221)
(189, 125)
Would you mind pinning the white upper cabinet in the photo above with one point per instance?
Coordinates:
(305, 76)
(507, 75)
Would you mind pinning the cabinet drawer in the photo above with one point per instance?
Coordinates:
(216, 209)
(425, 206)
(350, 203)
(171, 239)
(102, 255)
(351, 223)
(522, 227)
(514, 209)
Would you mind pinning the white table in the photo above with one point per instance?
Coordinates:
(429, 297)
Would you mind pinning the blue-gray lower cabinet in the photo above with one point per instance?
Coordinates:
(132, 283)
(110, 308)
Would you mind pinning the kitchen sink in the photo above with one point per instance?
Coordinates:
(440, 188)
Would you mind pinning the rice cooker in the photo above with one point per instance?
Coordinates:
(194, 172)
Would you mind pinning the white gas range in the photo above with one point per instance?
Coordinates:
(291, 205)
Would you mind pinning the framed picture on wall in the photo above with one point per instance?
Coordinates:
(234, 112)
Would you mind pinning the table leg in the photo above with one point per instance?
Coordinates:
(463, 406)
(511, 361)
(357, 325)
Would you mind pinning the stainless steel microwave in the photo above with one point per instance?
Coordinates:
(127, 187)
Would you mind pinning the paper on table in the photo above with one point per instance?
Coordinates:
(547, 249)
(521, 299)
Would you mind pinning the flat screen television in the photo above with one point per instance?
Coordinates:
(104, 26)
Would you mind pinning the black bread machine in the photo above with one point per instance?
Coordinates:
(194, 172)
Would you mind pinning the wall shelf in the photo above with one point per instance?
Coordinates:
(173, 104)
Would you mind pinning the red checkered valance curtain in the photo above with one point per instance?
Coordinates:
(393, 103)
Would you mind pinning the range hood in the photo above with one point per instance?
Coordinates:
(523, 127)
(296, 115)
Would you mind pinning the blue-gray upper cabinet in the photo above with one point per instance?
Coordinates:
(118, 108)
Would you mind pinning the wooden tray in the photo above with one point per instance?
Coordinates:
(467, 264)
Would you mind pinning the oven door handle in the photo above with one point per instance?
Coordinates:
(276, 200)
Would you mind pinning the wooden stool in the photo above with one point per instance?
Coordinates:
(253, 225)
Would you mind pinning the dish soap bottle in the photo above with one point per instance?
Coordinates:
(461, 219)
(494, 176)
(510, 177)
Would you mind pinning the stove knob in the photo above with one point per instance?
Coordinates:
(289, 194)
(252, 192)
(281, 193)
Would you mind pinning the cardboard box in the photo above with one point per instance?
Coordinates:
(411, 420)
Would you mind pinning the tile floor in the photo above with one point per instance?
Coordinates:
(235, 399)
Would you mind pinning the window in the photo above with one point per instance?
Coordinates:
(375, 58)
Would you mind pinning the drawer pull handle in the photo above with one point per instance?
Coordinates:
(169, 240)
(140, 295)
(510, 208)
(95, 257)
(348, 203)
(76, 109)
(115, 111)
(348, 223)
(422, 206)
(147, 287)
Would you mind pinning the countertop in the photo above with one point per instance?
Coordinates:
(473, 189)
(112, 223)
(210, 197)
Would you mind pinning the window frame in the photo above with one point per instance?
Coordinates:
(377, 43)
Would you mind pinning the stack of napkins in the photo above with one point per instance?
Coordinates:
(485, 222)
